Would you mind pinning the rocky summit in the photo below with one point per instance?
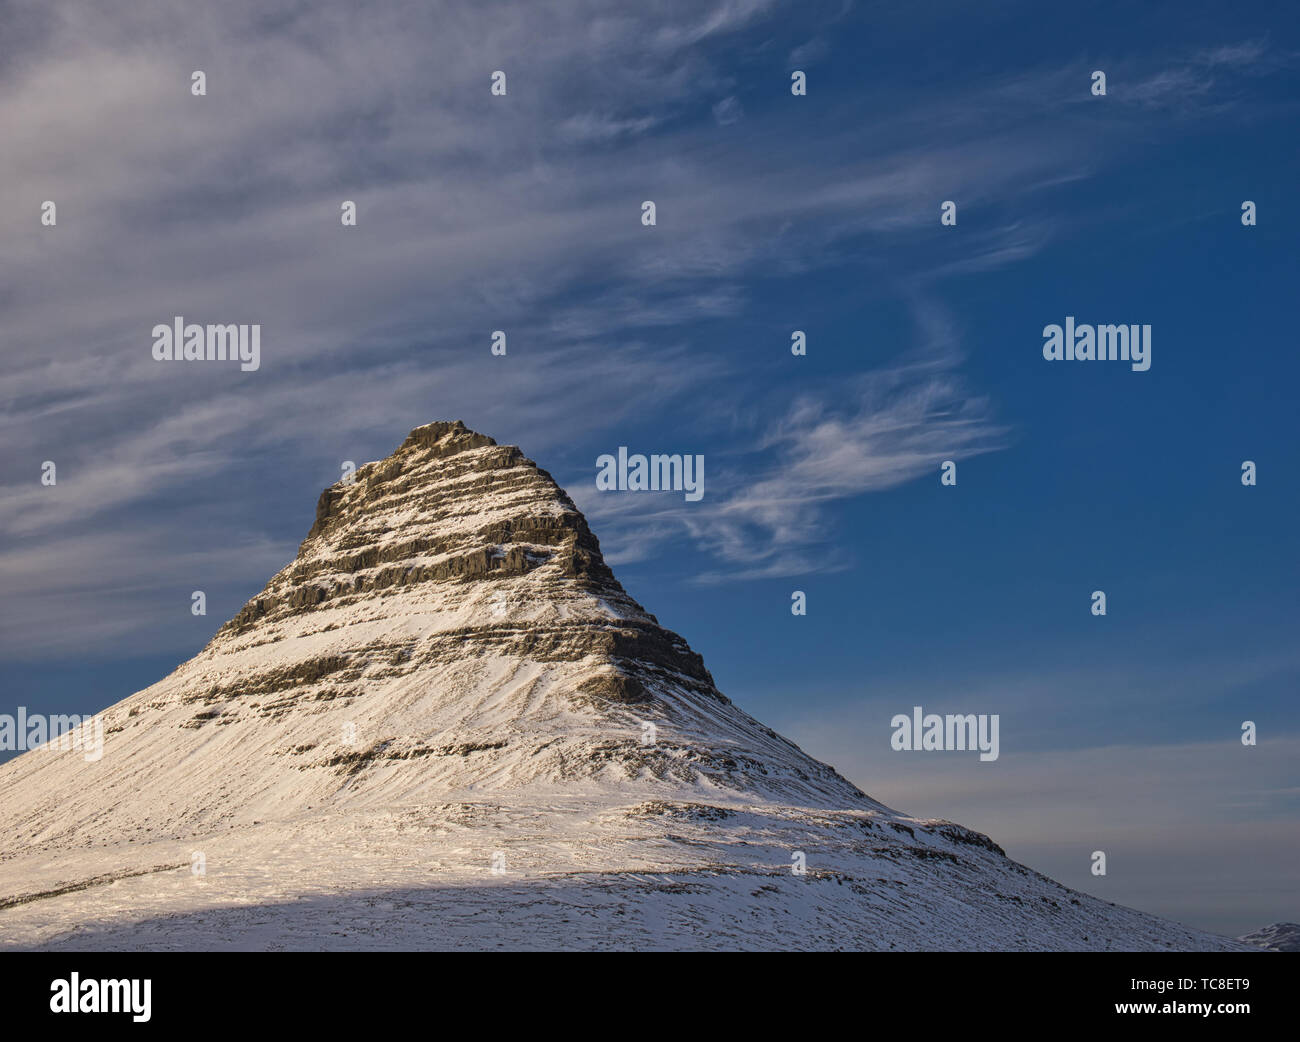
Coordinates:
(445, 724)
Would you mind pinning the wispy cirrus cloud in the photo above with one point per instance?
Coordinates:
(765, 511)
(476, 213)
(1211, 78)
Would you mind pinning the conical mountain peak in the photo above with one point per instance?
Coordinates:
(448, 676)
(448, 623)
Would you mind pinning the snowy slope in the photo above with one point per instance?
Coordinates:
(1275, 937)
(430, 730)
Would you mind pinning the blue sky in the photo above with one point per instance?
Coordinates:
(775, 213)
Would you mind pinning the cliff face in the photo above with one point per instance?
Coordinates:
(446, 680)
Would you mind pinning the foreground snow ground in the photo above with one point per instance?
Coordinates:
(577, 875)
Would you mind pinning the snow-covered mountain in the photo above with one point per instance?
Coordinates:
(446, 725)
(1275, 937)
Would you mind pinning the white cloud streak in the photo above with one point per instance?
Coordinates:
(476, 213)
